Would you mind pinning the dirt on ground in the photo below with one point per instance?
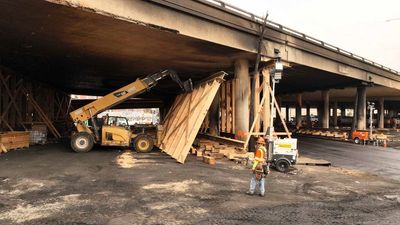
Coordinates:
(53, 185)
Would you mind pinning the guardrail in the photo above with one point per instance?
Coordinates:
(257, 19)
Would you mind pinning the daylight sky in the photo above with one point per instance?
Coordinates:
(358, 26)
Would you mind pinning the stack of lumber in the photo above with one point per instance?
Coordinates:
(211, 151)
(13, 140)
(380, 136)
(340, 135)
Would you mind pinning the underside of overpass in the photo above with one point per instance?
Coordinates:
(78, 51)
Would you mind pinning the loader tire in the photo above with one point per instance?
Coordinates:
(143, 143)
(82, 142)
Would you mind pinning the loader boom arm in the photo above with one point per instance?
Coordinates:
(116, 97)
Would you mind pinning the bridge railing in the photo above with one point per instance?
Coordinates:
(255, 18)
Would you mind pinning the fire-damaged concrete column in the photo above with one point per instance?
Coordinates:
(299, 104)
(325, 109)
(242, 95)
(287, 114)
(342, 111)
(308, 112)
(381, 111)
(214, 115)
(334, 116)
(362, 108)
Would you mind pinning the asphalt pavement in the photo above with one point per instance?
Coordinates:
(377, 160)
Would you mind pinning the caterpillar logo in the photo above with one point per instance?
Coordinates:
(120, 93)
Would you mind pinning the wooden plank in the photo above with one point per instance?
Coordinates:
(175, 119)
(209, 160)
(257, 115)
(180, 118)
(266, 108)
(223, 107)
(229, 107)
(312, 162)
(172, 142)
(12, 98)
(225, 140)
(257, 101)
(233, 88)
(43, 116)
(180, 143)
(180, 130)
(197, 119)
(5, 102)
(176, 104)
(278, 109)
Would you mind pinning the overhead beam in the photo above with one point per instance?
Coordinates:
(199, 19)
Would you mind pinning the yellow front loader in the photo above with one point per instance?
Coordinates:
(114, 131)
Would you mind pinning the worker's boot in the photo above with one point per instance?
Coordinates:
(249, 193)
(262, 194)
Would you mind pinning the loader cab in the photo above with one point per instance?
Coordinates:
(115, 121)
(115, 131)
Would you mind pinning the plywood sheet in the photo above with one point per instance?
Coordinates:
(185, 117)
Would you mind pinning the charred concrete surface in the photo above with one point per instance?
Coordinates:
(80, 51)
(93, 47)
(52, 185)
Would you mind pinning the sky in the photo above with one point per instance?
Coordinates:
(358, 26)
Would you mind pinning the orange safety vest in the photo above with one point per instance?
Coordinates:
(259, 156)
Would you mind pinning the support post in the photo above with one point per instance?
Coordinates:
(308, 109)
(362, 108)
(287, 114)
(214, 116)
(298, 110)
(266, 109)
(335, 112)
(242, 96)
(381, 110)
(325, 109)
(256, 100)
(342, 111)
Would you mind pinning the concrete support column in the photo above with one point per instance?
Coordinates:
(287, 114)
(214, 116)
(342, 111)
(242, 96)
(381, 111)
(334, 116)
(299, 104)
(325, 109)
(320, 110)
(308, 109)
(362, 108)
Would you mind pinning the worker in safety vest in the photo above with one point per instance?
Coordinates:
(258, 168)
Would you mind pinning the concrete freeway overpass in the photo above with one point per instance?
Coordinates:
(92, 47)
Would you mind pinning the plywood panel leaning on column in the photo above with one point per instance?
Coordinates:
(183, 121)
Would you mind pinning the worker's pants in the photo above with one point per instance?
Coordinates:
(253, 184)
